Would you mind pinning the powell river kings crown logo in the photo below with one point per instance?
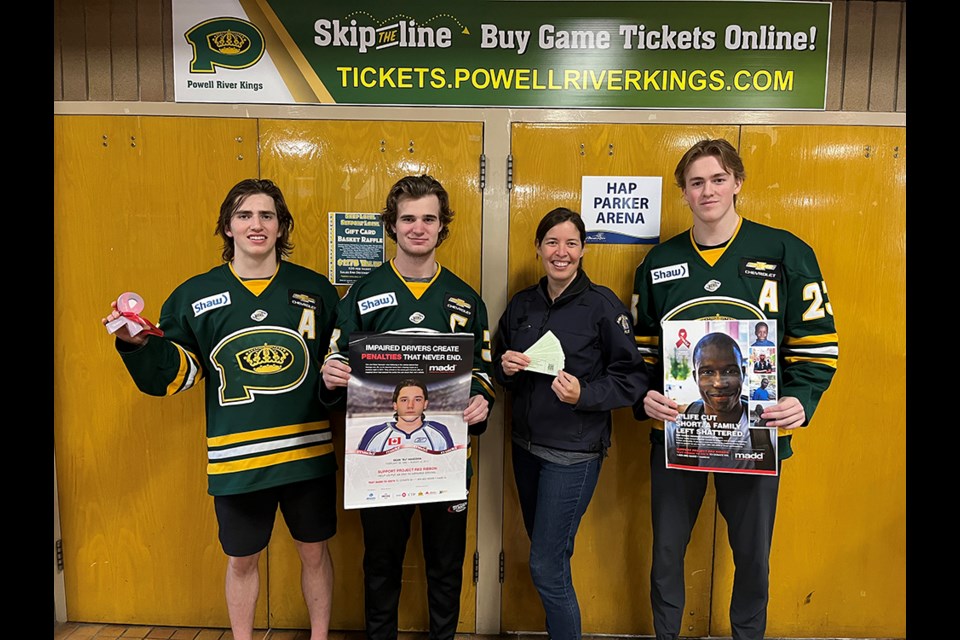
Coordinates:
(231, 43)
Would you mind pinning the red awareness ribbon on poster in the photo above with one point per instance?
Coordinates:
(130, 305)
(683, 342)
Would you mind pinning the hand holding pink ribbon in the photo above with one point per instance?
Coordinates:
(130, 305)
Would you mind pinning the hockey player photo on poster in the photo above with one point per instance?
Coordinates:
(406, 440)
(721, 384)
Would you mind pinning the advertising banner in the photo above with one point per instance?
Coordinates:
(510, 53)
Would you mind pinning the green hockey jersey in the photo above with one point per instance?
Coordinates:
(763, 273)
(383, 301)
(260, 358)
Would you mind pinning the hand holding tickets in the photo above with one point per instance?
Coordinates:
(546, 355)
(129, 305)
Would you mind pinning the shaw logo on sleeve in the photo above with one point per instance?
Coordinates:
(211, 302)
(373, 303)
(673, 272)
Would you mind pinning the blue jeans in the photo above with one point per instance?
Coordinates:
(553, 499)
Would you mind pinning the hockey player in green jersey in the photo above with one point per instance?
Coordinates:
(255, 329)
(413, 291)
(726, 266)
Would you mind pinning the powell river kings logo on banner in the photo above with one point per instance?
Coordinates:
(224, 42)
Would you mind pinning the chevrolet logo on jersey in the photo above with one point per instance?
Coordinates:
(760, 269)
(458, 305)
(255, 360)
(303, 299)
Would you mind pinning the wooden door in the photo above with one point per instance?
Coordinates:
(838, 564)
(349, 166)
(611, 565)
(136, 201)
(838, 559)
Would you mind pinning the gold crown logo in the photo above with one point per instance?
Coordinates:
(265, 359)
(228, 42)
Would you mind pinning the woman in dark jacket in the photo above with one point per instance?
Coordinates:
(561, 423)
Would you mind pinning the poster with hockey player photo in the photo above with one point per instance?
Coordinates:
(406, 441)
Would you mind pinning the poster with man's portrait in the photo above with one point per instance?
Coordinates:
(406, 440)
(721, 383)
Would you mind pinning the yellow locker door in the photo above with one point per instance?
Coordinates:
(611, 565)
(136, 200)
(349, 166)
(838, 565)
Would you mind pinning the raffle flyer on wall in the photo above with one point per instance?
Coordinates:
(722, 374)
(406, 439)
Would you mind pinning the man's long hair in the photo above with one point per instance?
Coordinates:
(231, 204)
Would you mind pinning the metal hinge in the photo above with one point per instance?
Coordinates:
(501, 567)
(476, 567)
(483, 171)
(58, 545)
(509, 172)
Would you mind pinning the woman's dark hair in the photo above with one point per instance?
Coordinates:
(559, 216)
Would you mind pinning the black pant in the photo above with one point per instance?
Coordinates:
(385, 534)
(748, 503)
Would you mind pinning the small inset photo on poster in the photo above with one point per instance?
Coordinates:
(763, 387)
(764, 334)
(756, 413)
(763, 360)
